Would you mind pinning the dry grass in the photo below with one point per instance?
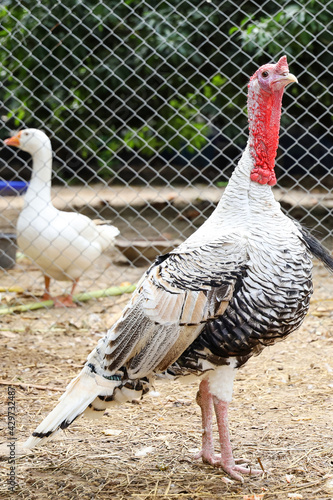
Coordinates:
(281, 415)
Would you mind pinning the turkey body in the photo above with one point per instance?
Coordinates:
(241, 282)
(248, 286)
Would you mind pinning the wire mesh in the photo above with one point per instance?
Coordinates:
(145, 105)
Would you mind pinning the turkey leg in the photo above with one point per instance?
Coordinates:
(205, 401)
(225, 460)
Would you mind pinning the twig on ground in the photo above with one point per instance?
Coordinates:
(260, 463)
(34, 386)
(80, 297)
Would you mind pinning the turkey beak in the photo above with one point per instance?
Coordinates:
(285, 79)
(281, 81)
(291, 78)
(13, 141)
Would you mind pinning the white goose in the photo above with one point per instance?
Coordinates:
(63, 244)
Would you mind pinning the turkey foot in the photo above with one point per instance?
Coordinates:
(240, 465)
(215, 459)
(231, 468)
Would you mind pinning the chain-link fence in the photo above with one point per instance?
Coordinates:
(145, 105)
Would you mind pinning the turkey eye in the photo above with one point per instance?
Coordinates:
(265, 74)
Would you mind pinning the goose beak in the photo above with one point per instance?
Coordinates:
(13, 141)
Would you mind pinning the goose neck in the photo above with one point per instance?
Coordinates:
(40, 183)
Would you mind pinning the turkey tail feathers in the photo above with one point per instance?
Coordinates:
(317, 249)
(78, 398)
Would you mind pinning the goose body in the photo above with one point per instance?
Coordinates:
(63, 244)
(241, 282)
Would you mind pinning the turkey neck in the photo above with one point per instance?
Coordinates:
(251, 181)
(40, 184)
(248, 197)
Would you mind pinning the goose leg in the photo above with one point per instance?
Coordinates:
(47, 295)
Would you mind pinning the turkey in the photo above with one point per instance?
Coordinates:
(241, 282)
(63, 244)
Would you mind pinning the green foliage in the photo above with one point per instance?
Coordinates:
(299, 25)
(111, 78)
(107, 71)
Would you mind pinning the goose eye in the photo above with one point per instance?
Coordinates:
(264, 74)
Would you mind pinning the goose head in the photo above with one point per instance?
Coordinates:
(30, 140)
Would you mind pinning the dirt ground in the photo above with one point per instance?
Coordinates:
(281, 414)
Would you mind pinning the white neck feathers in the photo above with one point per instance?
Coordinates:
(40, 184)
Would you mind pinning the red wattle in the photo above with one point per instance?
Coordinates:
(264, 124)
(263, 176)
